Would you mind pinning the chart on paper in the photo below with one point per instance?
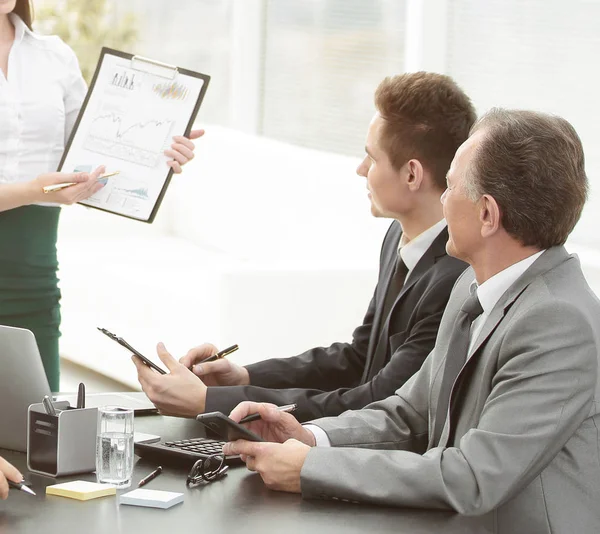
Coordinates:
(134, 139)
(127, 194)
(133, 111)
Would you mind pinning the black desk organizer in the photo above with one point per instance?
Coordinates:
(62, 444)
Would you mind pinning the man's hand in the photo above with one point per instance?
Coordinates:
(218, 373)
(279, 465)
(182, 150)
(178, 393)
(7, 472)
(273, 425)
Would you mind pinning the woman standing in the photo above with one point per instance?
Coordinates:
(41, 92)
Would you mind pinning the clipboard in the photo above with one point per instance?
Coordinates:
(132, 110)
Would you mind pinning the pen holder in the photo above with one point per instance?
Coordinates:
(61, 444)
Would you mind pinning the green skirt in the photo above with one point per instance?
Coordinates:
(29, 294)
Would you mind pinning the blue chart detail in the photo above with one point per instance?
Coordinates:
(140, 193)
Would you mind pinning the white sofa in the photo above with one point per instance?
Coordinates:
(258, 243)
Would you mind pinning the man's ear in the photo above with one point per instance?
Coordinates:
(415, 174)
(490, 216)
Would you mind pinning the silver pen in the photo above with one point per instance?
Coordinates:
(20, 486)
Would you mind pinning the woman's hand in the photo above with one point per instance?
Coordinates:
(86, 185)
(182, 150)
(7, 472)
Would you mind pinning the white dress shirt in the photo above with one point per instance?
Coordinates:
(489, 294)
(411, 252)
(39, 102)
(491, 290)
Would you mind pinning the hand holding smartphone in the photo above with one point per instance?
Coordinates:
(124, 343)
(229, 430)
(224, 427)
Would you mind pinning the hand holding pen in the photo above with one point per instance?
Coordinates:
(220, 354)
(52, 187)
(288, 408)
(8, 477)
(21, 486)
(271, 422)
(64, 184)
(213, 367)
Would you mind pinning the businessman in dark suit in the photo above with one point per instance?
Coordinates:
(502, 419)
(421, 120)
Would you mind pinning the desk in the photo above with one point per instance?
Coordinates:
(238, 503)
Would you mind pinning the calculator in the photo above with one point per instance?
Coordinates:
(183, 452)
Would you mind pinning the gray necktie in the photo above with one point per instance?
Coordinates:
(456, 355)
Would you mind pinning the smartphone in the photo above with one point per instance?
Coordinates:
(147, 361)
(124, 343)
(227, 429)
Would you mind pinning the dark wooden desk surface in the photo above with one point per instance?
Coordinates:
(238, 503)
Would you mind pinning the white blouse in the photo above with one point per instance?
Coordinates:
(39, 102)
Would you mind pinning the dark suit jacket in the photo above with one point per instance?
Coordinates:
(383, 355)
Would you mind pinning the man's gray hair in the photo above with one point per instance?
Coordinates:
(533, 165)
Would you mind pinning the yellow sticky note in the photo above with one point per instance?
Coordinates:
(81, 490)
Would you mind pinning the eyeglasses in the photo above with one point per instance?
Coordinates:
(207, 469)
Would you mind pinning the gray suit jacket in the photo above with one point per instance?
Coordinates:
(521, 441)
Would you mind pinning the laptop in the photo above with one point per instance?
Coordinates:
(23, 382)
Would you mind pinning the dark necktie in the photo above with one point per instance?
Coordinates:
(396, 283)
(456, 355)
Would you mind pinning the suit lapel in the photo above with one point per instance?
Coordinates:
(388, 263)
(379, 349)
(432, 254)
(547, 261)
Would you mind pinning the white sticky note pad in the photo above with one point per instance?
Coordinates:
(151, 498)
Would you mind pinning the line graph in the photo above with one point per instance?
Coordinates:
(136, 140)
(140, 192)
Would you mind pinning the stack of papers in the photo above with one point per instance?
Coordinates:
(151, 498)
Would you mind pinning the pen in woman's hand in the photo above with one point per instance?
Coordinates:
(58, 187)
(255, 416)
(20, 486)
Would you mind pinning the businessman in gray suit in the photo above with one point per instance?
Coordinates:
(502, 419)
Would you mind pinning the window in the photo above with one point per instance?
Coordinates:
(195, 34)
(323, 60)
(541, 54)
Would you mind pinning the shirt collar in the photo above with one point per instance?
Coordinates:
(20, 28)
(491, 290)
(412, 251)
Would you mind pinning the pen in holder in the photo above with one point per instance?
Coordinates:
(61, 444)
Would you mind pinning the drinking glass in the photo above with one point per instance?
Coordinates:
(114, 446)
